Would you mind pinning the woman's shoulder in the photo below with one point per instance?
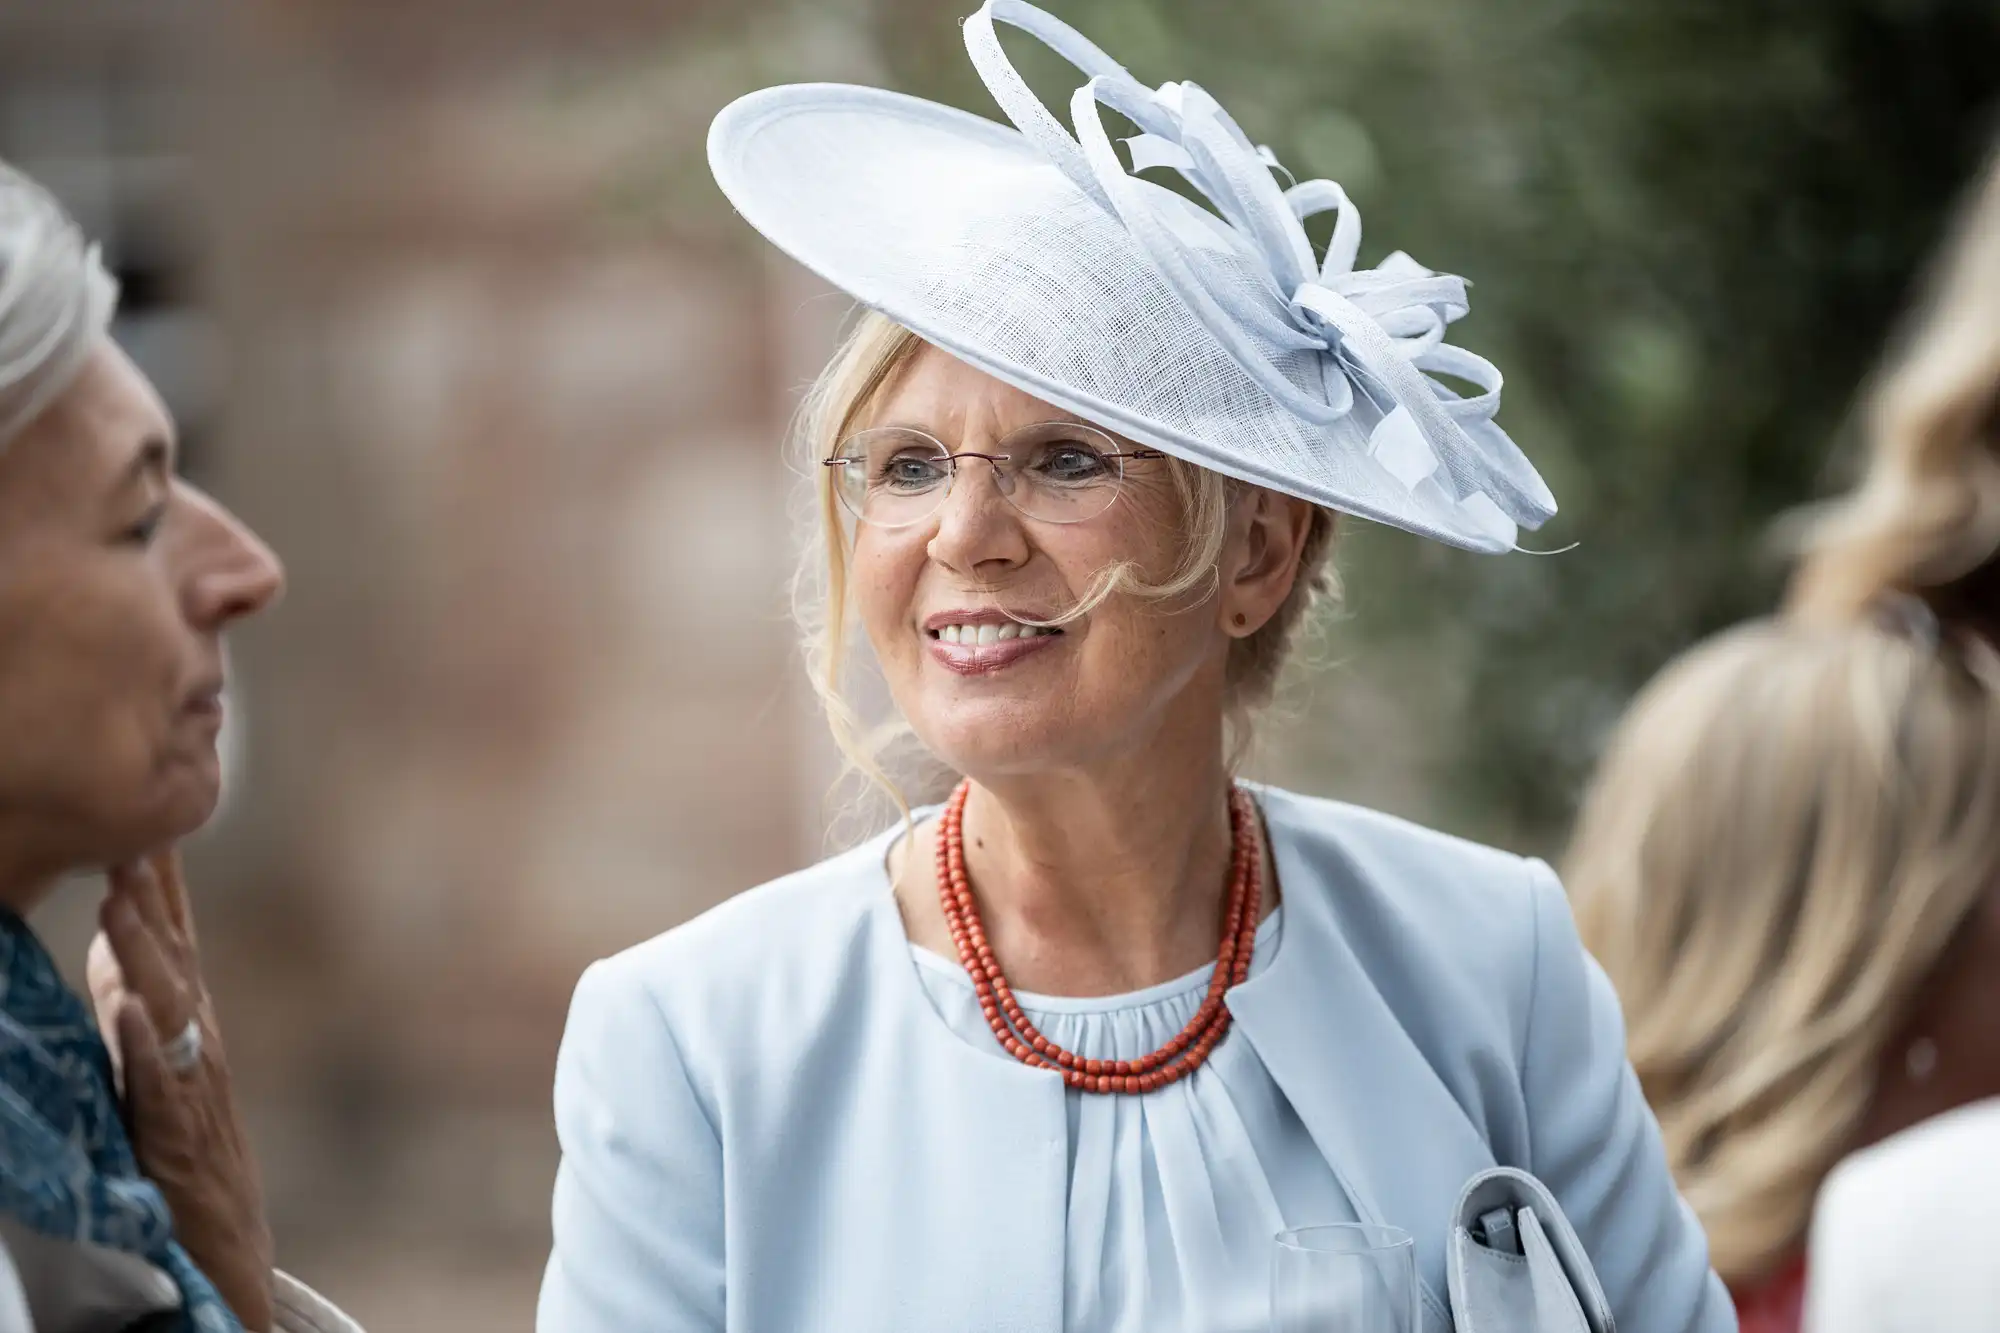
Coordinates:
(1365, 860)
(1451, 933)
(790, 944)
(1901, 1233)
(1917, 1175)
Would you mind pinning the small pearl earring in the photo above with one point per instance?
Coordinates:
(1920, 1061)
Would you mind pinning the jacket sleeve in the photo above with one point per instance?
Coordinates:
(638, 1197)
(1593, 1140)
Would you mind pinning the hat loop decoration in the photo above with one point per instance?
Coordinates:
(1378, 334)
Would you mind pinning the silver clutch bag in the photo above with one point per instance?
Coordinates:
(1514, 1264)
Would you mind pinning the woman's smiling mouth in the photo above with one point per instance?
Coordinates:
(974, 643)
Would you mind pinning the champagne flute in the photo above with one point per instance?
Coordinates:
(1345, 1278)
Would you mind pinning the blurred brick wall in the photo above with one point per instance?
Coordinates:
(511, 416)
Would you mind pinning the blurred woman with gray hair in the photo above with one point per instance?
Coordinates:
(117, 581)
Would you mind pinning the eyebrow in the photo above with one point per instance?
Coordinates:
(155, 456)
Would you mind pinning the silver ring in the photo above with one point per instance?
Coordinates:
(183, 1053)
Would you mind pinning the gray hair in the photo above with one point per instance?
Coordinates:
(56, 300)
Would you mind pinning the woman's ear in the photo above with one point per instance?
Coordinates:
(1261, 561)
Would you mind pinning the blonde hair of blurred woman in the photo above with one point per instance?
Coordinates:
(1785, 837)
(1926, 517)
(874, 352)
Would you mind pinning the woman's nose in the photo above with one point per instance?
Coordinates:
(976, 524)
(233, 573)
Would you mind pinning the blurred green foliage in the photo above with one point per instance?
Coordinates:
(1690, 223)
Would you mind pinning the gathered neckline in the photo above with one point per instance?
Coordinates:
(1159, 993)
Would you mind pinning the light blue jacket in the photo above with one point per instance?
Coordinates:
(765, 1126)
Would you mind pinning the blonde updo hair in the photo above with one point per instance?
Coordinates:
(1927, 514)
(1786, 833)
(868, 359)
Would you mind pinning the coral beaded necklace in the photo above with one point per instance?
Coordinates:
(1173, 1061)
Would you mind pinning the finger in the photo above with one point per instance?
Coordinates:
(148, 971)
(139, 883)
(105, 980)
(154, 1109)
(173, 891)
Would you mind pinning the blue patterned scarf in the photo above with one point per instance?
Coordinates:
(66, 1166)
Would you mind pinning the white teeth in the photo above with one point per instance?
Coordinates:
(979, 635)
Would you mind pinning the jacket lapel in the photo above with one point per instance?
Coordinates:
(1395, 1137)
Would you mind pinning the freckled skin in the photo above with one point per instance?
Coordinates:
(1097, 832)
(1107, 684)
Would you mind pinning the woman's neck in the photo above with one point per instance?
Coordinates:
(1089, 881)
(26, 877)
(22, 896)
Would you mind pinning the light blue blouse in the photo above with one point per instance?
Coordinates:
(1174, 1197)
(768, 1127)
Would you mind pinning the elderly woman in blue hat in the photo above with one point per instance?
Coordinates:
(1067, 1052)
(118, 582)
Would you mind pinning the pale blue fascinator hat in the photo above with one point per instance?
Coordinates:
(1216, 334)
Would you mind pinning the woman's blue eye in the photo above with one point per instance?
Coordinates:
(911, 472)
(1072, 462)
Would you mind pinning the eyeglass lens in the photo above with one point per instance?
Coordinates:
(1058, 472)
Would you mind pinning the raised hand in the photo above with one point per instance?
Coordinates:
(154, 1011)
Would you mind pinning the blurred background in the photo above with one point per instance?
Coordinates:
(448, 308)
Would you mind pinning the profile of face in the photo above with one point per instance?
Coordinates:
(117, 581)
(942, 599)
